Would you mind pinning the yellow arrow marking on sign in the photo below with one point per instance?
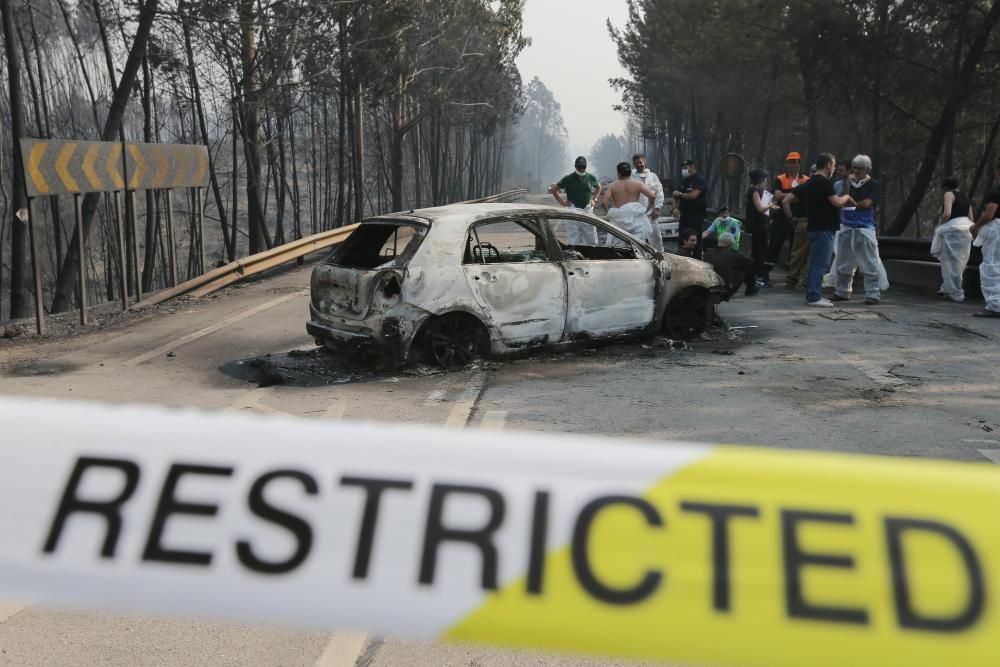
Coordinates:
(162, 166)
(88, 167)
(140, 164)
(34, 160)
(113, 166)
(202, 168)
(62, 167)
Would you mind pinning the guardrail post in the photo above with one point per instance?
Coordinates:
(171, 251)
(36, 271)
(78, 212)
(123, 261)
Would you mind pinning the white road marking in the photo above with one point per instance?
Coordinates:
(435, 396)
(252, 401)
(493, 420)
(982, 442)
(991, 454)
(459, 415)
(873, 371)
(210, 329)
(440, 392)
(10, 609)
(335, 411)
(343, 650)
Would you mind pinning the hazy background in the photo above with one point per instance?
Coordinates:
(572, 53)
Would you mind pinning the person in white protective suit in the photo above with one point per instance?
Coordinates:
(582, 191)
(642, 174)
(987, 234)
(952, 243)
(625, 211)
(857, 244)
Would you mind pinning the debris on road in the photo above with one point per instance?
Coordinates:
(838, 316)
(936, 324)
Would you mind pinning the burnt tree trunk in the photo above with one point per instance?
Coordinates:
(956, 96)
(19, 297)
(149, 261)
(66, 281)
(250, 124)
(229, 239)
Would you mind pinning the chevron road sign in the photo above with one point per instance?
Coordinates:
(74, 167)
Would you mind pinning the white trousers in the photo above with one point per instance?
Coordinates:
(632, 218)
(952, 245)
(581, 233)
(857, 249)
(653, 237)
(989, 271)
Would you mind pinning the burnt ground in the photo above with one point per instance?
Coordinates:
(318, 366)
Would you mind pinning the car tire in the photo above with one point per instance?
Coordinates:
(687, 315)
(454, 340)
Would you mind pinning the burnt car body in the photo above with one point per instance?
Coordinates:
(448, 284)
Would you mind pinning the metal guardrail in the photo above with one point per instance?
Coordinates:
(909, 262)
(914, 250)
(897, 247)
(498, 198)
(214, 280)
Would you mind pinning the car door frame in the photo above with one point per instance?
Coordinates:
(661, 268)
(554, 254)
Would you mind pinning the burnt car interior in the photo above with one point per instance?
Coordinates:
(579, 252)
(505, 242)
(373, 245)
(571, 250)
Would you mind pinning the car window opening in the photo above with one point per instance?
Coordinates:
(581, 240)
(505, 242)
(373, 245)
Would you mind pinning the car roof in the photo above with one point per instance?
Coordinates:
(453, 220)
(465, 213)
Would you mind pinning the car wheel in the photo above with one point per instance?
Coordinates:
(687, 315)
(453, 341)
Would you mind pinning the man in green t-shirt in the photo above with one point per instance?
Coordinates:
(582, 190)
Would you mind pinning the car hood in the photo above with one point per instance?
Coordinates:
(691, 271)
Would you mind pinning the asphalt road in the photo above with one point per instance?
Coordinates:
(910, 377)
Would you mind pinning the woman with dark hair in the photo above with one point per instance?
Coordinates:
(952, 242)
(758, 209)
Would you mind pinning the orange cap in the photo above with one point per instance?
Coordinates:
(793, 156)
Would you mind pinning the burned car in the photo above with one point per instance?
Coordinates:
(447, 285)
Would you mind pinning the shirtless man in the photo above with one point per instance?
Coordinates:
(624, 208)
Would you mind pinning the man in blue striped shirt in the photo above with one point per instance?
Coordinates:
(857, 244)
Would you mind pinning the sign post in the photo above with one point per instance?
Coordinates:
(56, 167)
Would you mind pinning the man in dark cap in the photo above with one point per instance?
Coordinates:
(582, 190)
(690, 199)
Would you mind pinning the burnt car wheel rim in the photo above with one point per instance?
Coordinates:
(686, 316)
(454, 342)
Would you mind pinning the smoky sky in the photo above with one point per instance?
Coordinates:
(572, 53)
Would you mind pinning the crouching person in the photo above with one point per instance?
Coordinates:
(734, 268)
(952, 243)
